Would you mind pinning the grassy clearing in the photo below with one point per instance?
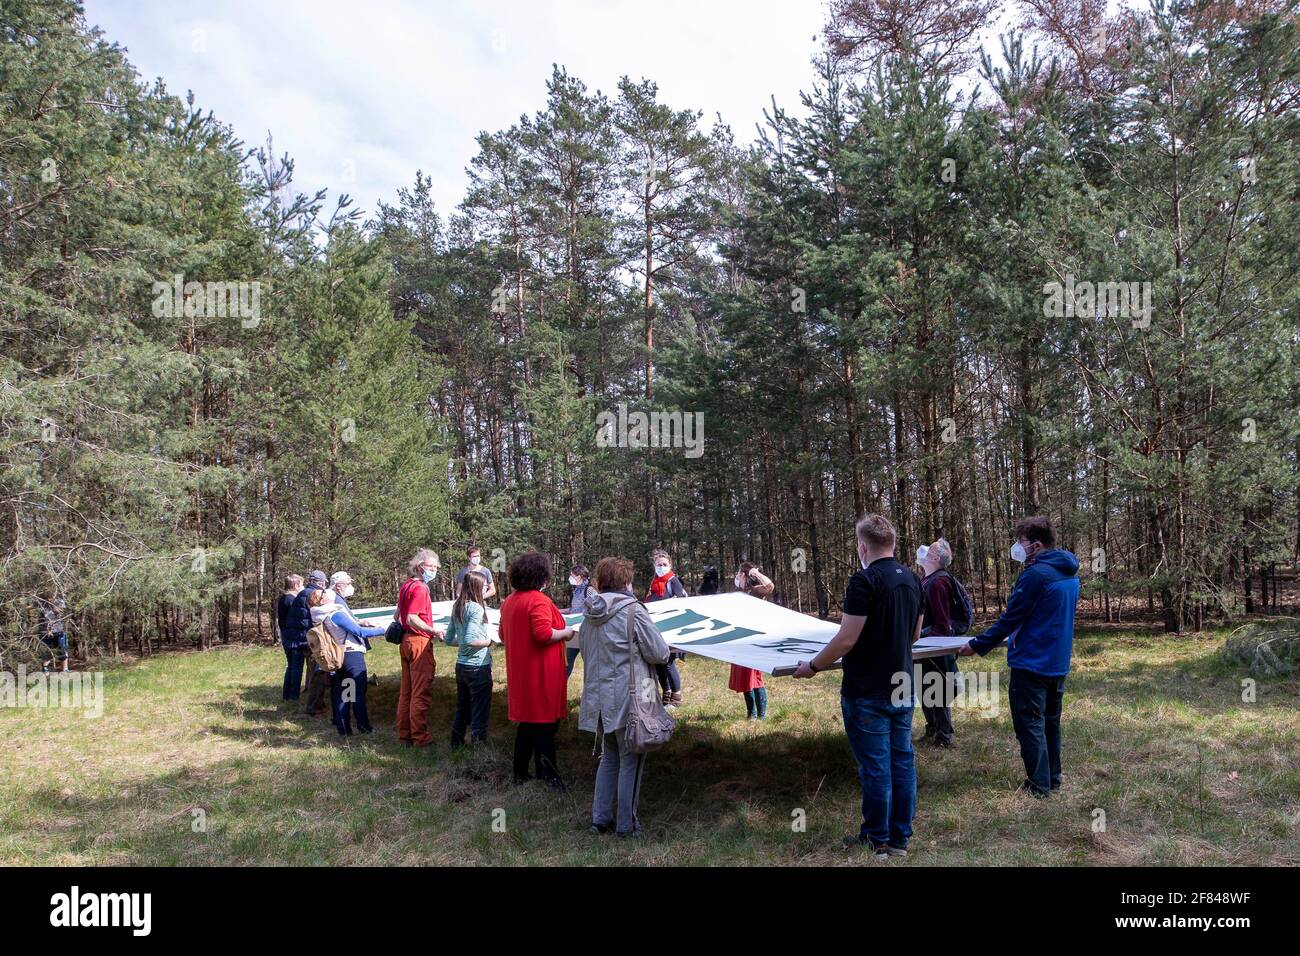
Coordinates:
(1156, 735)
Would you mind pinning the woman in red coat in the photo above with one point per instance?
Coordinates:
(533, 633)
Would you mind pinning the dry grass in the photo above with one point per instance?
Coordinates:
(1156, 736)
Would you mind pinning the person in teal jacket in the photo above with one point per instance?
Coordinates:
(468, 631)
(1038, 627)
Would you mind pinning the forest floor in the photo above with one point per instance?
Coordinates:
(196, 761)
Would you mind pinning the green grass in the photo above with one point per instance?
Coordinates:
(1155, 731)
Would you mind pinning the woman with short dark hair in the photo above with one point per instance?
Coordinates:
(534, 633)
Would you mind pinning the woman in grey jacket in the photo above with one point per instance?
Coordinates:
(611, 670)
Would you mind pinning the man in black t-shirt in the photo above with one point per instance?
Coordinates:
(882, 617)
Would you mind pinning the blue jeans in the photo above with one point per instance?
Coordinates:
(669, 679)
(1036, 715)
(618, 786)
(880, 734)
(473, 703)
(58, 645)
(296, 655)
(354, 668)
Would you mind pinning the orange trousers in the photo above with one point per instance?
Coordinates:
(418, 668)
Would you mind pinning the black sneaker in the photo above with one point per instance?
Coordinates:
(857, 843)
(1029, 789)
(891, 850)
(602, 829)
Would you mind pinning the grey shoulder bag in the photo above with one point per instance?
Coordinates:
(649, 725)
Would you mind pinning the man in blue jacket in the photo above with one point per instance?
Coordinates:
(1038, 626)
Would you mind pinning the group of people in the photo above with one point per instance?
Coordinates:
(886, 608)
(323, 602)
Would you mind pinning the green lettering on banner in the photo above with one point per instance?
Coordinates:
(733, 635)
(681, 619)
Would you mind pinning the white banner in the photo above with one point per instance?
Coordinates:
(732, 627)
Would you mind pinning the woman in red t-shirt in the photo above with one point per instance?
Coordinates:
(533, 633)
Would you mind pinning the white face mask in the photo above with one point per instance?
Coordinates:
(573, 582)
(476, 560)
(346, 591)
(740, 581)
(661, 570)
(862, 561)
(1018, 553)
(921, 553)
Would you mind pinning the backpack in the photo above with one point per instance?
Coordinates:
(649, 725)
(961, 611)
(325, 651)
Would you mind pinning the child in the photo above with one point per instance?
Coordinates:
(746, 680)
(468, 629)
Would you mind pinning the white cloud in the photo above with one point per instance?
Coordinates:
(385, 87)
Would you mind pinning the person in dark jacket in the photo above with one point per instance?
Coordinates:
(1038, 626)
(54, 635)
(318, 681)
(937, 590)
(709, 583)
(292, 637)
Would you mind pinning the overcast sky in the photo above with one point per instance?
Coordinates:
(362, 94)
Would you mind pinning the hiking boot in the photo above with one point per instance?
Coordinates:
(602, 829)
(891, 850)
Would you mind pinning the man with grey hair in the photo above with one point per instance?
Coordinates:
(942, 598)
